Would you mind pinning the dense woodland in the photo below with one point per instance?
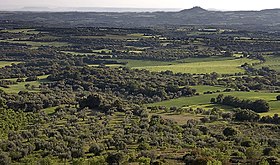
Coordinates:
(78, 100)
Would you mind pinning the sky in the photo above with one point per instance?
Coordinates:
(180, 4)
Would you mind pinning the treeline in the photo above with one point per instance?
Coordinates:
(35, 101)
(169, 54)
(258, 106)
(138, 86)
(251, 116)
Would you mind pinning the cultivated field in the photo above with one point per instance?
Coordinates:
(24, 31)
(273, 62)
(203, 101)
(134, 36)
(222, 67)
(136, 64)
(37, 44)
(20, 86)
(204, 88)
(7, 63)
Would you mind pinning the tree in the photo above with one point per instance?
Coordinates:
(144, 161)
(77, 152)
(46, 161)
(246, 115)
(229, 131)
(92, 102)
(260, 106)
(213, 100)
(2, 103)
(220, 98)
(116, 158)
(96, 149)
(121, 145)
(143, 146)
(27, 86)
(228, 54)
(97, 160)
(253, 153)
(5, 159)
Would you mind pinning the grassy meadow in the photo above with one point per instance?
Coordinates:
(273, 62)
(79, 54)
(141, 63)
(222, 67)
(136, 64)
(203, 101)
(179, 118)
(37, 44)
(7, 63)
(204, 88)
(134, 36)
(20, 86)
(24, 31)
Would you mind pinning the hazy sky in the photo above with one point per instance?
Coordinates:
(182, 4)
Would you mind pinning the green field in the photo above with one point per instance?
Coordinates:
(109, 65)
(119, 37)
(7, 63)
(79, 54)
(203, 101)
(21, 85)
(88, 54)
(204, 88)
(273, 62)
(144, 63)
(139, 63)
(179, 118)
(102, 50)
(38, 44)
(50, 110)
(13, 89)
(24, 31)
(139, 35)
(222, 67)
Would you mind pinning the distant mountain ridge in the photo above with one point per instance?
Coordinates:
(94, 9)
(268, 19)
(195, 9)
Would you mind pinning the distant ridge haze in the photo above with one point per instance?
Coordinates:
(268, 19)
(116, 9)
(225, 5)
(95, 9)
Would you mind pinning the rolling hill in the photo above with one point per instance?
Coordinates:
(262, 20)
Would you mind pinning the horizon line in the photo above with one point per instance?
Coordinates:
(76, 9)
